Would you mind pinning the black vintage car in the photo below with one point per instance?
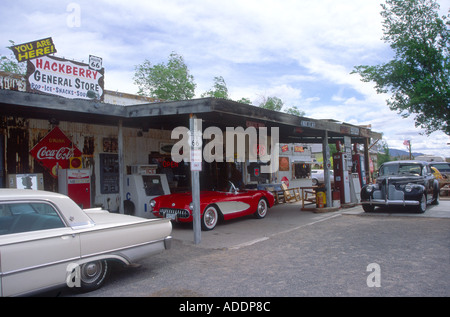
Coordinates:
(402, 183)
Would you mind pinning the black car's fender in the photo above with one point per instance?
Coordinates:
(415, 193)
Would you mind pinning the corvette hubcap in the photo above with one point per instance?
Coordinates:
(210, 217)
(262, 208)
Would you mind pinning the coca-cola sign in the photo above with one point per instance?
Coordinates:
(54, 151)
(63, 153)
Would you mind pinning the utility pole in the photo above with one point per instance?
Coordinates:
(408, 144)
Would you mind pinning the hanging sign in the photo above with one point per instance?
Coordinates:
(68, 79)
(31, 50)
(196, 150)
(54, 151)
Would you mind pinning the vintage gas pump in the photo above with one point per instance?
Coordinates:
(341, 175)
(359, 166)
(140, 187)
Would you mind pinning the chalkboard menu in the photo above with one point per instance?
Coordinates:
(109, 173)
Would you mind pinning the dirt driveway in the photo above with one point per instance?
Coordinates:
(283, 218)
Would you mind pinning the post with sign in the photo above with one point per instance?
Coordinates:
(195, 141)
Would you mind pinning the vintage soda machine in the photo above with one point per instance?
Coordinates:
(76, 183)
(342, 164)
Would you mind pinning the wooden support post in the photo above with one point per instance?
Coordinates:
(121, 167)
(326, 168)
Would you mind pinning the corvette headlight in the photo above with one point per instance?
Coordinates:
(191, 206)
(152, 203)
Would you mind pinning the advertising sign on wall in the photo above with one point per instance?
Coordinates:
(31, 50)
(54, 151)
(68, 79)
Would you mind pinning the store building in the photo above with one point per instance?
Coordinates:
(115, 135)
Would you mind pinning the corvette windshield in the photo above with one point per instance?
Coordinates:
(400, 169)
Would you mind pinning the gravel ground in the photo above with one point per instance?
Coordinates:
(325, 258)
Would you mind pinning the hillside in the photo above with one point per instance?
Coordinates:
(400, 153)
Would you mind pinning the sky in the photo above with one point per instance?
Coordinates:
(300, 51)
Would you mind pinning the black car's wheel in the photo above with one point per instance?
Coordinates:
(368, 208)
(93, 275)
(262, 208)
(210, 218)
(422, 204)
(436, 197)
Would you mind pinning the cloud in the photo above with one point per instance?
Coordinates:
(298, 50)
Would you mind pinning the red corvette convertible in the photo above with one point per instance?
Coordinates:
(214, 205)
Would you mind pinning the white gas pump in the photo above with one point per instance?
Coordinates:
(141, 187)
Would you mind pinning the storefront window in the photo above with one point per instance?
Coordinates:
(302, 170)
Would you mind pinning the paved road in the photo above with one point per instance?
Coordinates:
(298, 253)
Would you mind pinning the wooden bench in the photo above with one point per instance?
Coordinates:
(445, 189)
(308, 195)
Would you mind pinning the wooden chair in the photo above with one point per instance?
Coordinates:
(279, 197)
(290, 194)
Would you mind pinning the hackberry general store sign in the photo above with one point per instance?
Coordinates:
(65, 78)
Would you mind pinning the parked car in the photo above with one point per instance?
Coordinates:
(317, 177)
(214, 205)
(436, 173)
(402, 183)
(443, 168)
(47, 241)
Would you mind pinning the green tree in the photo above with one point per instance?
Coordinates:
(171, 81)
(10, 64)
(418, 75)
(383, 154)
(272, 103)
(219, 89)
(245, 100)
(276, 104)
(295, 111)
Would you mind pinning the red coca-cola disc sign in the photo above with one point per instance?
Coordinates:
(54, 151)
